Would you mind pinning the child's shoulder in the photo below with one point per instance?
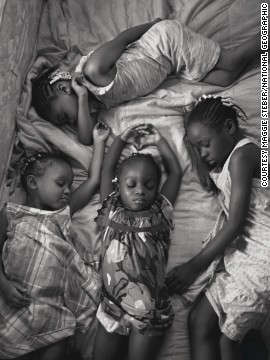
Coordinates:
(245, 160)
(247, 153)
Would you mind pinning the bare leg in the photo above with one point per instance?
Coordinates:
(230, 350)
(29, 356)
(232, 62)
(253, 346)
(55, 351)
(204, 332)
(143, 347)
(222, 77)
(239, 56)
(109, 346)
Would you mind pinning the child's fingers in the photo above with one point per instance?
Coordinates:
(23, 300)
(75, 84)
(22, 291)
(102, 126)
(20, 299)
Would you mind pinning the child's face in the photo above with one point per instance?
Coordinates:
(138, 185)
(213, 144)
(64, 109)
(53, 188)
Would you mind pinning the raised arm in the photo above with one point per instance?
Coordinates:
(242, 168)
(82, 195)
(171, 185)
(174, 172)
(112, 158)
(85, 122)
(100, 66)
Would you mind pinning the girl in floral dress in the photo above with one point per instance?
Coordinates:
(136, 223)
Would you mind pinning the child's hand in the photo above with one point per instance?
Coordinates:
(80, 90)
(15, 294)
(204, 176)
(101, 132)
(130, 135)
(181, 277)
(149, 135)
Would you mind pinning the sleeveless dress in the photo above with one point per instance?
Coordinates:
(134, 254)
(239, 290)
(40, 254)
(166, 48)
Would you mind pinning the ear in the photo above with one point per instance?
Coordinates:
(230, 125)
(32, 182)
(63, 87)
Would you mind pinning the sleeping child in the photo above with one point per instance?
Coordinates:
(47, 290)
(233, 266)
(133, 64)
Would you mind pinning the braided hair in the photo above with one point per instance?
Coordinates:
(214, 111)
(43, 92)
(38, 163)
(139, 157)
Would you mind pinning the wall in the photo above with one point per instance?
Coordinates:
(19, 21)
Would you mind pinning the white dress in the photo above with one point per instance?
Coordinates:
(239, 291)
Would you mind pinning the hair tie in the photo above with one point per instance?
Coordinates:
(226, 101)
(59, 75)
(28, 161)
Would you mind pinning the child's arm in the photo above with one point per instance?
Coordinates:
(81, 196)
(170, 187)
(14, 293)
(112, 158)
(100, 66)
(242, 167)
(86, 122)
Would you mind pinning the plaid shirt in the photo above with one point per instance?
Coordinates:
(64, 288)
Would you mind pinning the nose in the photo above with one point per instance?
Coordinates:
(139, 189)
(67, 191)
(203, 153)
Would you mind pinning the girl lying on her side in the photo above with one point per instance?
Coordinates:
(47, 291)
(235, 260)
(133, 64)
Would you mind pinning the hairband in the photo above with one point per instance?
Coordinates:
(59, 75)
(29, 161)
(226, 101)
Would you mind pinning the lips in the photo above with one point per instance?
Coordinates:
(139, 200)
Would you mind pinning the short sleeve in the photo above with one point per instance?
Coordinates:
(108, 207)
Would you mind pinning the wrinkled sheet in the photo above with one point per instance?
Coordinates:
(70, 29)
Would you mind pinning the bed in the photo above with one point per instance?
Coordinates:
(61, 31)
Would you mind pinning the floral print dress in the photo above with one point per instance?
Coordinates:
(134, 254)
